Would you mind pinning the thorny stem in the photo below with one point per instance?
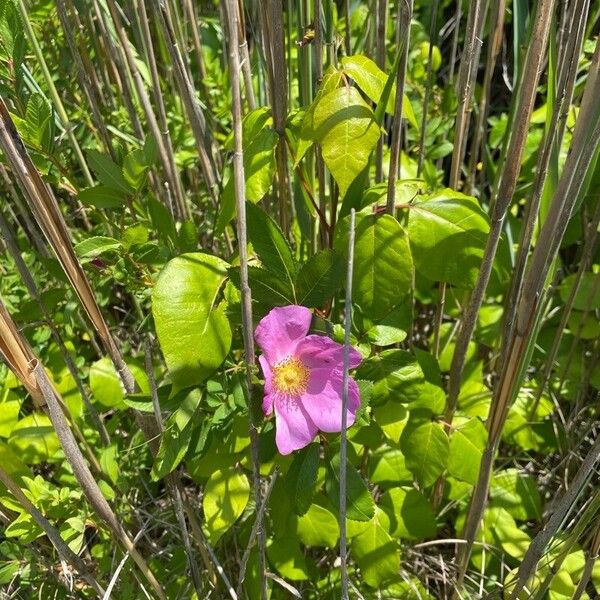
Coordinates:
(240, 189)
(345, 384)
(405, 8)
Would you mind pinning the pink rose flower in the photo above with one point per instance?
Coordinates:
(303, 378)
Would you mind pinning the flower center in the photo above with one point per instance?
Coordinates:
(290, 376)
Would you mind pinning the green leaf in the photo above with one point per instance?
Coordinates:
(372, 80)
(12, 462)
(136, 235)
(161, 219)
(425, 447)
(588, 294)
(467, 443)
(517, 493)
(331, 80)
(102, 196)
(109, 462)
(33, 439)
(135, 168)
(270, 245)
(500, 526)
(38, 119)
(318, 527)
(301, 478)
(387, 467)
(375, 551)
(359, 503)
(448, 233)
(320, 278)
(72, 531)
(10, 407)
(9, 570)
(259, 164)
(383, 267)
(95, 246)
(187, 236)
(287, 557)
(396, 375)
(385, 335)
(226, 495)
(266, 287)
(259, 142)
(177, 436)
(150, 149)
(406, 190)
(106, 386)
(191, 326)
(411, 515)
(24, 528)
(344, 124)
(392, 419)
(108, 172)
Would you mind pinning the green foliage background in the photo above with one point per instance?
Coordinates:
(164, 269)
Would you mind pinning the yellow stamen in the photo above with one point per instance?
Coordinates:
(290, 376)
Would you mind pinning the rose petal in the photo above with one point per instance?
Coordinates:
(267, 404)
(294, 429)
(323, 400)
(321, 352)
(266, 369)
(279, 332)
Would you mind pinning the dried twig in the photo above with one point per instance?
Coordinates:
(345, 383)
(405, 8)
(240, 197)
(53, 534)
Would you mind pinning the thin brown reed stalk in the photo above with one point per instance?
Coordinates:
(84, 80)
(51, 222)
(64, 552)
(466, 85)
(209, 158)
(586, 258)
(279, 102)
(175, 180)
(240, 200)
(21, 359)
(165, 152)
(501, 201)
(584, 146)
(493, 50)
(591, 557)
(404, 16)
(552, 526)
(7, 235)
(553, 140)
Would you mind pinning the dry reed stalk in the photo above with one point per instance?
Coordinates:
(493, 50)
(64, 552)
(50, 220)
(209, 157)
(405, 9)
(552, 526)
(165, 150)
(501, 201)
(114, 56)
(584, 146)
(85, 82)
(231, 10)
(27, 278)
(25, 365)
(552, 142)
(279, 102)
